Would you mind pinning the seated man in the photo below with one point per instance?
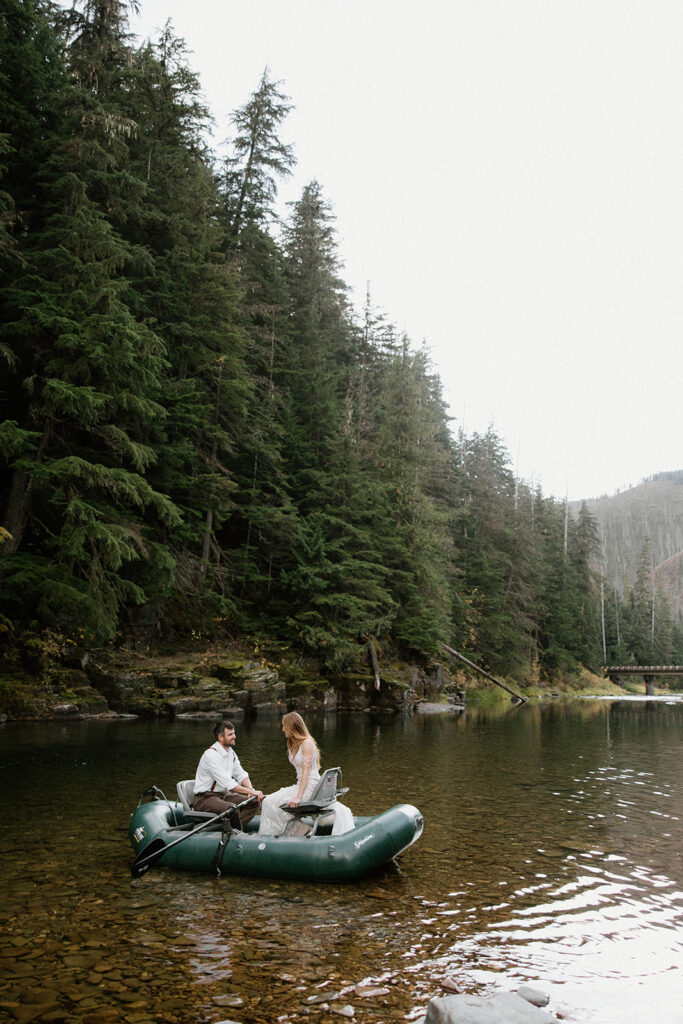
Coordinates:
(221, 781)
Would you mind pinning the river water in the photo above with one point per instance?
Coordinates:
(551, 855)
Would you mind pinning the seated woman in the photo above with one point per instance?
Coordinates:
(303, 754)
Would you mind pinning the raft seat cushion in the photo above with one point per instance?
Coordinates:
(185, 790)
(318, 810)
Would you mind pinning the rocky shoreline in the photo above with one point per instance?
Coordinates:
(218, 682)
(45, 679)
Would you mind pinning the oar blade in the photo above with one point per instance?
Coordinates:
(147, 857)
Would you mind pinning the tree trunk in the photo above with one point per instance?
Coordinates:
(206, 541)
(16, 514)
(19, 499)
(375, 662)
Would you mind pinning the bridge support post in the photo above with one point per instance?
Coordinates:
(649, 685)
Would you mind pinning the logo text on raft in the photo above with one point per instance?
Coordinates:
(359, 842)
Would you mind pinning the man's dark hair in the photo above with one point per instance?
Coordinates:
(220, 727)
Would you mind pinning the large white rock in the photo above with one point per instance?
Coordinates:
(502, 1008)
(533, 995)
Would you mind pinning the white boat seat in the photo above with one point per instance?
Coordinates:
(319, 808)
(185, 790)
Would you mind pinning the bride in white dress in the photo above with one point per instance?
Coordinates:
(303, 754)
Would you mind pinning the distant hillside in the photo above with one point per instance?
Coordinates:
(652, 511)
(670, 574)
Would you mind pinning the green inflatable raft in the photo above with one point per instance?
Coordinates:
(161, 833)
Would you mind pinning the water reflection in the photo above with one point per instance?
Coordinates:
(551, 855)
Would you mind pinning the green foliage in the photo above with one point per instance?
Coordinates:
(194, 423)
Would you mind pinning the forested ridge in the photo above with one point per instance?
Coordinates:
(198, 429)
(644, 522)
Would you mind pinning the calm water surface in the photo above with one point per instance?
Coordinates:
(551, 855)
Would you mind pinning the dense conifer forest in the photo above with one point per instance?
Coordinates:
(197, 428)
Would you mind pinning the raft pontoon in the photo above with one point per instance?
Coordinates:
(171, 833)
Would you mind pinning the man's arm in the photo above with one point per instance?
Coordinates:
(246, 787)
(244, 784)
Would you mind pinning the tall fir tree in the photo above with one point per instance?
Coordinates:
(263, 524)
(336, 581)
(485, 541)
(414, 455)
(193, 298)
(641, 607)
(322, 347)
(90, 371)
(257, 158)
(583, 550)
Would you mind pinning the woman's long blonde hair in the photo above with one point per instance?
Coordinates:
(296, 732)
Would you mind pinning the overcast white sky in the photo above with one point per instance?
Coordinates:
(506, 175)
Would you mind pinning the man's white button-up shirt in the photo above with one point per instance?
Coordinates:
(219, 765)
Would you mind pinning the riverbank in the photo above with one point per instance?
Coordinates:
(52, 678)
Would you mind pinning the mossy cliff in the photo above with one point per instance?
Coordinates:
(55, 678)
(50, 677)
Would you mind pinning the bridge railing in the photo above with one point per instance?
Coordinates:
(650, 670)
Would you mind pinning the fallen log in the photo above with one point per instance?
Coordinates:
(482, 672)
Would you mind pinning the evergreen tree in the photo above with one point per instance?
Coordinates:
(345, 589)
(662, 627)
(641, 633)
(263, 525)
(90, 371)
(317, 364)
(32, 78)
(322, 346)
(413, 526)
(583, 547)
(31, 75)
(485, 540)
(257, 158)
(193, 297)
(525, 582)
(556, 636)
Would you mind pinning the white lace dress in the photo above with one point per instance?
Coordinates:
(274, 819)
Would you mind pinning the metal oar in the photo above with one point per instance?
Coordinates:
(157, 848)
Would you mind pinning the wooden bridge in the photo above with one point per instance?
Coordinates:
(648, 672)
(642, 670)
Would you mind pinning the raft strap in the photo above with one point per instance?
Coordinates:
(226, 832)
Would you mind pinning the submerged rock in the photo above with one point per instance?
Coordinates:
(426, 707)
(501, 1008)
(371, 991)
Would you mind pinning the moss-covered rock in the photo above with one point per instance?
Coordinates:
(23, 697)
(309, 695)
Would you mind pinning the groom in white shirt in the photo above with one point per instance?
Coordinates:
(221, 781)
